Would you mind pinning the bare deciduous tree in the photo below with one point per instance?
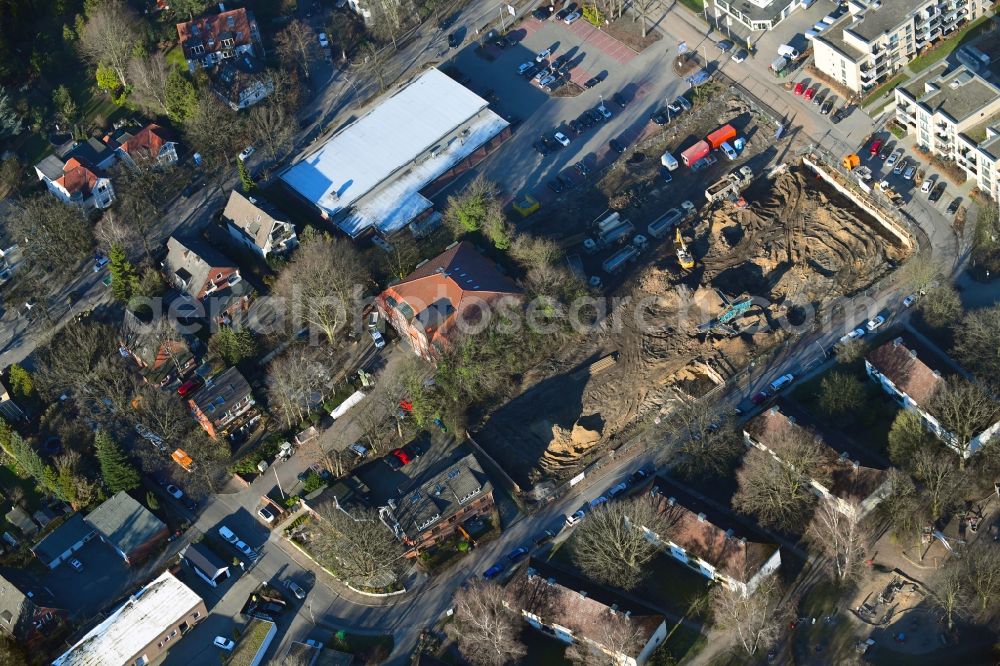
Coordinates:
(486, 624)
(359, 547)
(271, 126)
(611, 546)
(50, 233)
(69, 361)
(109, 37)
(297, 46)
(778, 493)
(977, 342)
(903, 508)
(844, 538)
(951, 590)
(754, 620)
(323, 283)
(964, 410)
(982, 567)
(709, 441)
(164, 415)
(148, 76)
(296, 380)
(617, 634)
(941, 481)
(112, 230)
(643, 9)
(389, 18)
(374, 61)
(849, 351)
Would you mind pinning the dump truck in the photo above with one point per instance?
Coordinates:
(720, 136)
(695, 153)
(616, 233)
(659, 227)
(609, 222)
(615, 262)
(851, 161)
(730, 185)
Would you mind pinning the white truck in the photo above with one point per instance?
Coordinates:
(788, 52)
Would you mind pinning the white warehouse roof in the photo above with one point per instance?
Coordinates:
(136, 624)
(392, 145)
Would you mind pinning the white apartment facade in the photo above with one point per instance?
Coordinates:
(874, 40)
(956, 115)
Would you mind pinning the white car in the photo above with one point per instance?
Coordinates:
(926, 187)
(266, 515)
(524, 67)
(562, 138)
(228, 534)
(780, 383)
(892, 158)
(875, 323)
(856, 333)
(603, 110)
(323, 42)
(175, 492)
(377, 339)
(246, 550)
(247, 152)
(739, 56)
(542, 55)
(572, 18)
(223, 643)
(76, 564)
(575, 518)
(909, 300)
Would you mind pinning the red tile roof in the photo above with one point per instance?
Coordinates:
(209, 31)
(150, 139)
(900, 365)
(77, 178)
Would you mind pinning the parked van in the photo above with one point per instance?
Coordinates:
(788, 52)
(728, 150)
(669, 161)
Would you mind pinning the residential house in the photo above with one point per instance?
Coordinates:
(212, 39)
(128, 527)
(258, 225)
(149, 144)
(26, 608)
(856, 480)
(877, 38)
(77, 175)
(8, 408)
(60, 544)
(911, 374)
(156, 347)
(955, 114)
(443, 296)
(207, 277)
(575, 610)
(242, 82)
(142, 629)
(205, 564)
(439, 501)
(219, 404)
(710, 542)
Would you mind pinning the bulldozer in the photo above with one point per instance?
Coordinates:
(851, 161)
(684, 257)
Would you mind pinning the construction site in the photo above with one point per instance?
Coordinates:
(707, 287)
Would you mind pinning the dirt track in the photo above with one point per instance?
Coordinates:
(797, 242)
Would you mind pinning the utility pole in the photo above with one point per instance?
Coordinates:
(278, 481)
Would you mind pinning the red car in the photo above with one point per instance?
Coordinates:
(401, 456)
(799, 87)
(876, 144)
(811, 93)
(190, 386)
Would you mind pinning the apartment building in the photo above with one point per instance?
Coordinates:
(873, 40)
(956, 115)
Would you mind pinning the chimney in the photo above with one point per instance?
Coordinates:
(671, 501)
(856, 465)
(774, 411)
(937, 373)
(583, 594)
(743, 541)
(913, 353)
(729, 533)
(701, 517)
(897, 342)
(791, 419)
(222, 8)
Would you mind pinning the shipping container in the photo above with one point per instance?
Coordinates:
(619, 259)
(695, 153)
(720, 136)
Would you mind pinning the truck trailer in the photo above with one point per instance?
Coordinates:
(615, 262)
(720, 136)
(695, 153)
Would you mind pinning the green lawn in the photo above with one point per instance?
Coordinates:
(697, 6)
(671, 585)
(175, 57)
(943, 50)
(878, 98)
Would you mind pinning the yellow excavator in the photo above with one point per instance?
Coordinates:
(684, 256)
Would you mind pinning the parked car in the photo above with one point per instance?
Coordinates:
(100, 261)
(454, 39)
(683, 102)
(739, 56)
(175, 492)
(582, 169)
(572, 18)
(299, 593)
(323, 41)
(228, 535)
(760, 396)
(542, 55)
(190, 386)
(377, 339)
(661, 117)
(725, 45)
(266, 515)
(926, 186)
(819, 97)
(937, 191)
(531, 71)
(547, 81)
(893, 157)
(541, 14)
(555, 185)
(246, 550)
(800, 87)
(617, 490)
(665, 175)
(224, 643)
(885, 152)
(953, 207)
(603, 110)
(524, 67)
(541, 148)
(493, 571)
(827, 107)
(873, 150)
(910, 170)
(780, 383)
(413, 450)
(592, 82)
(544, 537)
(909, 300)
(358, 449)
(575, 518)
(393, 462)
(810, 93)
(873, 324)
(401, 455)
(594, 503)
(900, 167)
(246, 153)
(564, 12)
(76, 564)
(517, 554)
(620, 100)
(638, 476)
(856, 333)
(617, 146)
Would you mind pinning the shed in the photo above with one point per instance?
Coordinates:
(206, 564)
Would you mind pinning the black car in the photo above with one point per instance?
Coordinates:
(558, 63)
(886, 151)
(661, 117)
(544, 537)
(556, 186)
(592, 82)
(665, 174)
(827, 107)
(938, 190)
(566, 181)
(576, 126)
(638, 477)
(541, 148)
(620, 99)
(530, 72)
(725, 45)
(617, 146)
(563, 13)
(541, 14)
(953, 206)
(394, 463)
(448, 21)
(582, 169)
(414, 450)
(454, 39)
(551, 143)
(586, 119)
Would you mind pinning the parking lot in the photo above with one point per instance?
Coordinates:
(386, 483)
(104, 578)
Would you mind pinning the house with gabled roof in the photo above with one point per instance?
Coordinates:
(437, 503)
(151, 143)
(128, 527)
(77, 175)
(857, 479)
(258, 225)
(572, 609)
(451, 291)
(207, 276)
(156, 347)
(214, 38)
(26, 607)
(911, 373)
(710, 542)
(221, 402)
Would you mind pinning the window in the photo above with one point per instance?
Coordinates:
(228, 42)
(196, 615)
(173, 633)
(197, 50)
